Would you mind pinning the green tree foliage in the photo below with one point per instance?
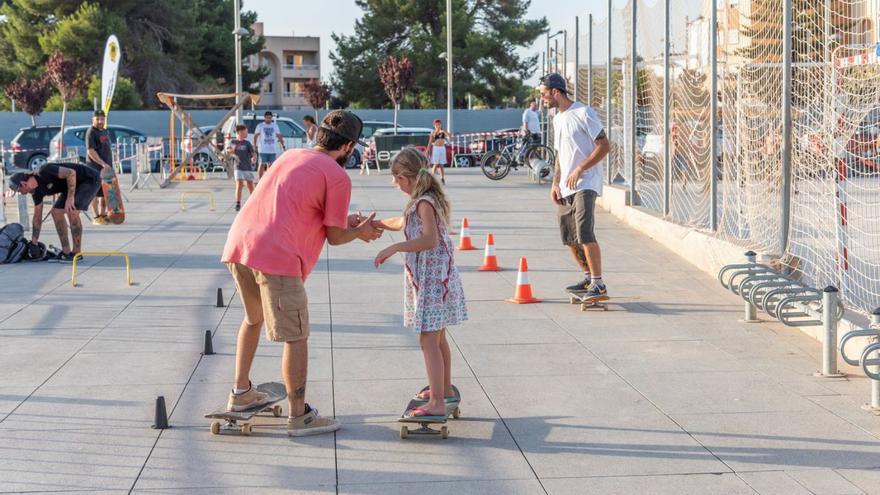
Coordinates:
(125, 97)
(485, 36)
(167, 45)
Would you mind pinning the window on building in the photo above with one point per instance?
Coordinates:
(298, 59)
(267, 88)
(290, 59)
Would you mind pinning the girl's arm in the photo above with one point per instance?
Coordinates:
(394, 223)
(428, 240)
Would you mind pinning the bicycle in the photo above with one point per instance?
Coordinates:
(521, 153)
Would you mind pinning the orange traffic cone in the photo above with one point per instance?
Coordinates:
(523, 294)
(490, 262)
(464, 242)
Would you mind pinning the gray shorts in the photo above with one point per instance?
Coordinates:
(576, 218)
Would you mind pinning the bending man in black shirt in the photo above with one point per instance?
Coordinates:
(75, 185)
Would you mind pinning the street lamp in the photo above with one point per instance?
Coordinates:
(238, 32)
(549, 37)
(449, 65)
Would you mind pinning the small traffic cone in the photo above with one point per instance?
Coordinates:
(490, 262)
(523, 294)
(464, 238)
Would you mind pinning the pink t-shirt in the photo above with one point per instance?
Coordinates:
(282, 227)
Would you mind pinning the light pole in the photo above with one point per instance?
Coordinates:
(238, 33)
(549, 37)
(449, 65)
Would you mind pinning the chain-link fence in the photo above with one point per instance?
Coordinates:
(699, 134)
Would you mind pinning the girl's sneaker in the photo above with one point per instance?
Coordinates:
(311, 424)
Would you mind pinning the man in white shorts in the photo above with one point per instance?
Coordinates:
(581, 145)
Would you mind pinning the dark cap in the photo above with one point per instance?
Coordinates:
(16, 180)
(555, 81)
(344, 123)
(99, 113)
(268, 114)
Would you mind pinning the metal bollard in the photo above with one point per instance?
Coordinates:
(830, 303)
(23, 216)
(874, 406)
(751, 312)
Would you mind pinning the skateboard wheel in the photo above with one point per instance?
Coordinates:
(404, 432)
(246, 429)
(215, 428)
(444, 432)
(572, 300)
(277, 411)
(456, 413)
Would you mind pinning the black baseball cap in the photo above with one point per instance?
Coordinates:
(344, 123)
(99, 113)
(268, 114)
(555, 81)
(16, 180)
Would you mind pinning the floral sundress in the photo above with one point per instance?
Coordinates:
(433, 295)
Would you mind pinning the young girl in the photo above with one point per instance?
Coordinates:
(245, 159)
(437, 145)
(434, 298)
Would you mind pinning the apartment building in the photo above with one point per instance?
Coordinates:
(291, 60)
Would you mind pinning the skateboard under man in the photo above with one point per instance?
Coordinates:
(588, 302)
(113, 197)
(277, 392)
(452, 409)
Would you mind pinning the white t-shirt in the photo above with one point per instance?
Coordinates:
(532, 121)
(574, 136)
(268, 137)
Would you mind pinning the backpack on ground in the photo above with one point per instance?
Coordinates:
(12, 243)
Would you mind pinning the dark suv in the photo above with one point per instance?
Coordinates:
(30, 147)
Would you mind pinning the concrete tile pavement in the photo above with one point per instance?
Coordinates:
(664, 393)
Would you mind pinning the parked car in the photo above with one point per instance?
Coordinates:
(75, 139)
(370, 150)
(497, 140)
(205, 157)
(30, 147)
(370, 128)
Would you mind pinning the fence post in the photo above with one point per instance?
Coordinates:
(590, 60)
(23, 216)
(667, 154)
(786, 125)
(713, 117)
(830, 303)
(633, 199)
(577, 57)
(751, 312)
(608, 91)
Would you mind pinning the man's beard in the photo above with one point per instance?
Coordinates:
(342, 160)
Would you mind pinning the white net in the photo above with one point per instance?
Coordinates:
(650, 157)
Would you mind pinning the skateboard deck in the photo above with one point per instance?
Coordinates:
(113, 197)
(424, 421)
(579, 297)
(277, 392)
(452, 403)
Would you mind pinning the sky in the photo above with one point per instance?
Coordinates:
(322, 17)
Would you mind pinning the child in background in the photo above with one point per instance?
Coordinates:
(245, 159)
(434, 298)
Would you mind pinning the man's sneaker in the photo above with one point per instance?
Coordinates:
(65, 257)
(580, 286)
(100, 220)
(596, 291)
(311, 424)
(237, 206)
(247, 400)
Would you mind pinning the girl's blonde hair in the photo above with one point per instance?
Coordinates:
(413, 165)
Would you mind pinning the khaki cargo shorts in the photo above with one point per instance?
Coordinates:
(278, 300)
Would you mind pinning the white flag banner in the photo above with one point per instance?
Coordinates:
(112, 54)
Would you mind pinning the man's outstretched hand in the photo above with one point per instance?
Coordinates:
(366, 231)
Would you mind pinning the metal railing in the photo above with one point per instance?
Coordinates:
(869, 358)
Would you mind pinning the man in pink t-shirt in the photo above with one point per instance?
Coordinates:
(273, 245)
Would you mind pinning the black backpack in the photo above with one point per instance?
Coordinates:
(12, 243)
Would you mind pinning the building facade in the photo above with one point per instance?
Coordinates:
(291, 60)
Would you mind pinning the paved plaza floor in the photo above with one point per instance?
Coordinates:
(665, 393)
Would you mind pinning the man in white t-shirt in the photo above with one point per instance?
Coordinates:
(581, 145)
(265, 136)
(531, 122)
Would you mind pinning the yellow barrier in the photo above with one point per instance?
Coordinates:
(102, 253)
(184, 193)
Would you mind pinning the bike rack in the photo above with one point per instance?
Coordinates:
(871, 366)
(793, 304)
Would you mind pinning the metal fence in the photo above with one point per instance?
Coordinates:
(755, 120)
